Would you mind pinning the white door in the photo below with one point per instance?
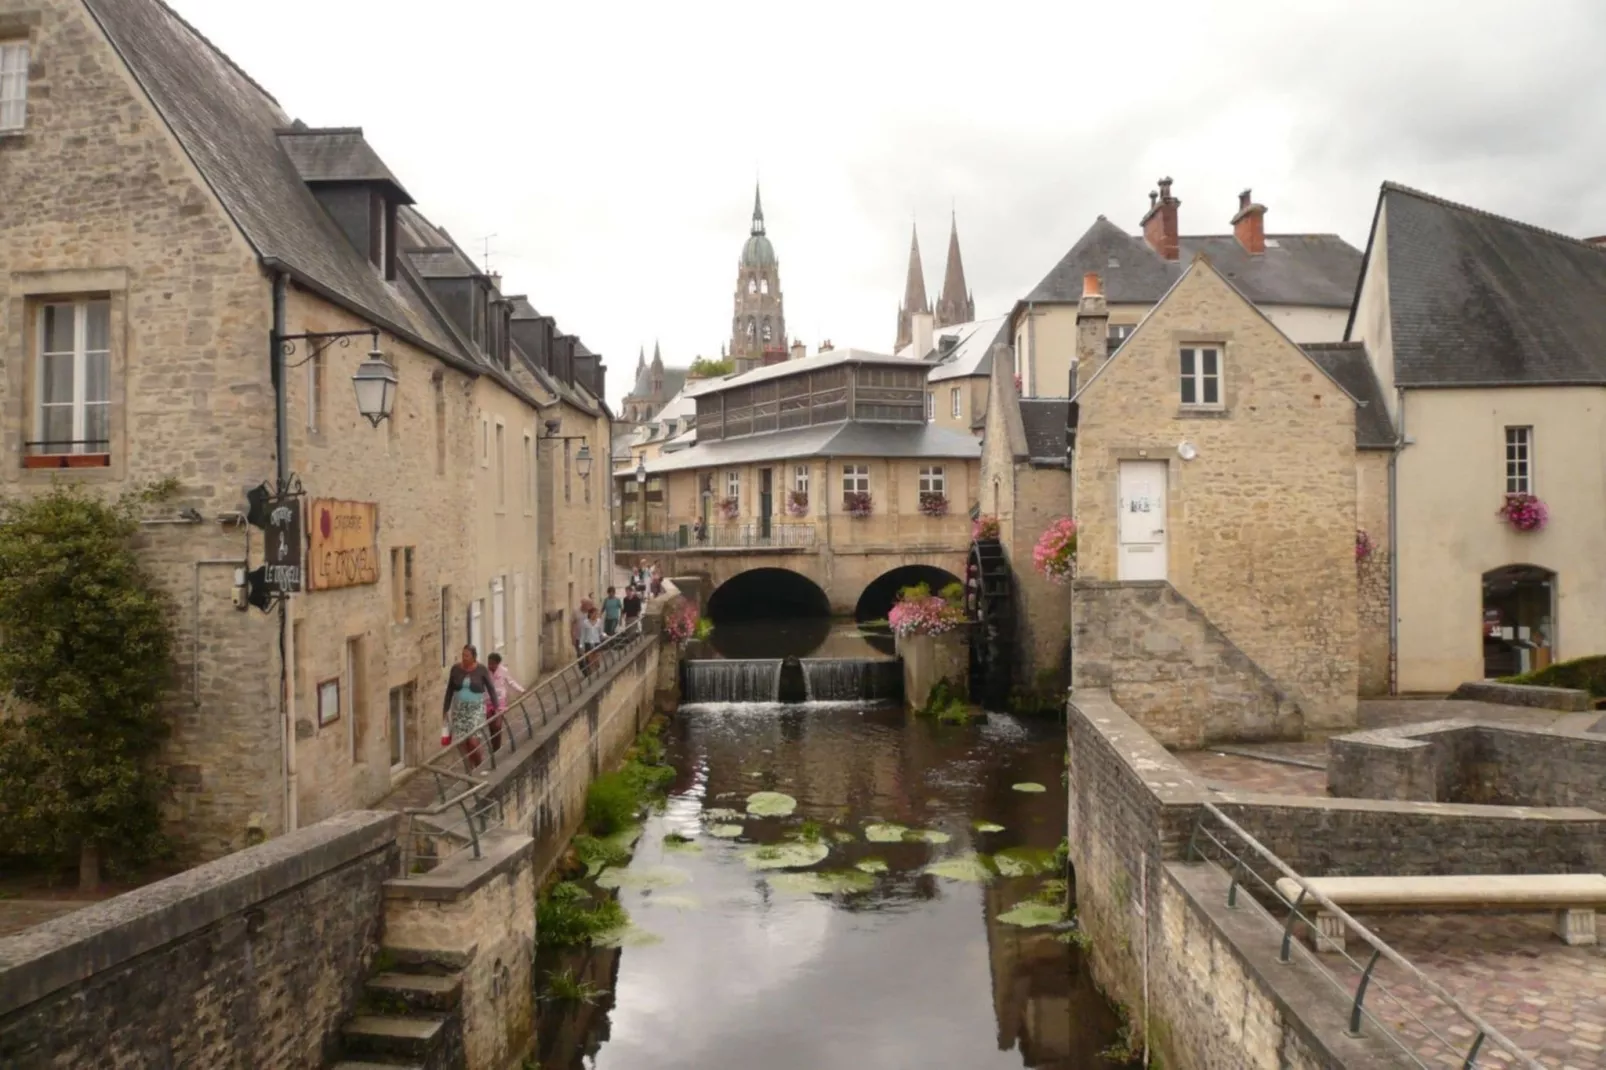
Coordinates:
(1141, 502)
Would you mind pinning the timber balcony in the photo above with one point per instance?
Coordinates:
(747, 535)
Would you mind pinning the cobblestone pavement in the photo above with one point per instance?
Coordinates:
(1228, 772)
(1547, 998)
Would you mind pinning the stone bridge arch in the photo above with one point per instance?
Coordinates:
(876, 600)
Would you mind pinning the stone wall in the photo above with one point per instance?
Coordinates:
(252, 960)
(1172, 669)
(928, 659)
(1372, 571)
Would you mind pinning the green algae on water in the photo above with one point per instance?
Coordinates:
(986, 826)
(674, 902)
(785, 855)
(843, 882)
(722, 813)
(725, 832)
(871, 865)
(966, 867)
(1032, 915)
(1024, 861)
(840, 836)
(770, 804)
(885, 833)
(926, 836)
(1029, 787)
(626, 936)
(651, 877)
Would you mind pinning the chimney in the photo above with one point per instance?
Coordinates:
(496, 281)
(921, 326)
(1092, 330)
(1160, 224)
(1249, 225)
(826, 346)
(798, 349)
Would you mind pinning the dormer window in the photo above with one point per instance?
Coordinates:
(382, 233)
(13, 86)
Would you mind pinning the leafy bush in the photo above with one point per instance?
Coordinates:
(1583, 674)
(707, 368)
(595, 853)
(612, 802)
(566, 916)
(947, 702)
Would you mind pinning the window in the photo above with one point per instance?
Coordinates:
(1120, 331)
(498, 614)
(13, 85)
(763, 286)
(855, 479)
(75, 377)
(1519, 460)
(446, 626)
(356, 684)
(518, 607)
(476, 623)
(401, 714)
(1201, 376)
(752, 286)
(328, 701)
(955, 409)
(932, 480)
(800, 479)
(733, 486)
(485, 442)
(931, 404)
(767, 332)
(401, 583)
(529, 473)
(439, 385)
(568, 491)
(315, 378)
(501, 465)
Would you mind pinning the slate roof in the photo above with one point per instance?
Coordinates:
(971, 355)
(1045, 421)
(1348, 365)
(338, 154)
(829, 358)
(846, 438)
(674, 379)
(1480, 300)
(1319, 270)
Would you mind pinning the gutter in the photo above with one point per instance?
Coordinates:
(1394, 546)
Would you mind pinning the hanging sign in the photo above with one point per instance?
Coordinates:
(344, 544)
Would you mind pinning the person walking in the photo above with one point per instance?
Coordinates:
(577, 625)
(590, 639)
(469, 694)
(502, 682)
(612, 608)
(657, 581)
(632, 606)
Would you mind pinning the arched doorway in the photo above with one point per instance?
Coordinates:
(1519, 615)
(769, 613)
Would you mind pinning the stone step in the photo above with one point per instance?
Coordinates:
(404, 993)
(390, 1035)
(424, 960)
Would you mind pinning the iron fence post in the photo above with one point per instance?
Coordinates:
(1360, 995)
(468, 819)
(1232, 889)
(1472, 1055)
(1287, 953)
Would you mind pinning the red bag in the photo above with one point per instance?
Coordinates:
(446, 733)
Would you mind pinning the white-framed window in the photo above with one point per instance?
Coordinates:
(13, 85)
(518, 607)
(485, 442)
(855, 479)
(501, 464)
(954, 407)
(401, 583)
(932, 480)
(529, 473)
(931, 404)
(1119, 332)
(476, 625)
(733, 485)
(800, 478)
(402, 700)
(74, 376)
(1201, 376)
(1519, 460)
(498, 613)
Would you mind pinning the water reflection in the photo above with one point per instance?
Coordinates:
(897, 969)
(801, 637)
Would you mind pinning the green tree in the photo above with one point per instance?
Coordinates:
(86, 650)
(710, 369)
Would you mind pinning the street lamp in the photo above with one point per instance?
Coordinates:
(641, 491)
(375, 382)
(582, 461)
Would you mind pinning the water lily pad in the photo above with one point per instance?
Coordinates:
(725, 832)
(650, 877)
(770, 804)
(722, 813)
(844, 882)
(871, 865)
(1032, 914)
(1029, 787)
(675, 902)
(884, 833)
(966, 867)
(1023, 861)
(986, 826)
(843, 837)
(684, 847)
(626, 936)
(785, 855)
(926, 836)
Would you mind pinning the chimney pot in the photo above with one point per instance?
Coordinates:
(1249, 224)
(1153, 199)
(1092, 285)
(1160, 223)
(1243, 200)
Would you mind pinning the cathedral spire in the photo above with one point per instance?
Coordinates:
(954, 304)
(914, 292)
(641, 359)
(657, 357)
(758, 211)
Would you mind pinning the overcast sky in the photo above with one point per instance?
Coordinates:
(612, 148)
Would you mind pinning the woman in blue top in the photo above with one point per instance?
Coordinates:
(470, 692)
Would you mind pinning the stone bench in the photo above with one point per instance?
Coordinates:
(1573, 896)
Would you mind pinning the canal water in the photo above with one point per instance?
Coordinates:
(868, 927)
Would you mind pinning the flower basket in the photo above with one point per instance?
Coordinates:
(680, 623)
(729, 508)
(919, 612)
(932, 504)
(857, 504)
(797, 503)
(1524, 512)
(985, 527)
(1363, 545)
(1055, 552)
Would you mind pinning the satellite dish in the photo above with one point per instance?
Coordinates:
(1187, 451)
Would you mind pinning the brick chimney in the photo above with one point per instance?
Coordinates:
(1249, 225)
(798, 349)
(1092, 330)
(1160, 225)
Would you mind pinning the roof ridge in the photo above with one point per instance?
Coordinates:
(222, 55)
(1333, 345)
(303, 131)
(1270, 234)
(1445, 202)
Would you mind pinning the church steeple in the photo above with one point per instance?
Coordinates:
(955, 304)
(758, 328)
(914, 293)
(641, 359)
(657, 356)
(758, 211)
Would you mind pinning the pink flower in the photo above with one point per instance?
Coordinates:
(1055, 553)
(985, 527)
(1363, 545)
(1524, 512)
(919, 612)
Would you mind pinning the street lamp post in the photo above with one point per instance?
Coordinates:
(641, 491)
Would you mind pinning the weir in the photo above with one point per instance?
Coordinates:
(821, 680)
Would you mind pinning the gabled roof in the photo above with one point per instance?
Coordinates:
(971, 354)
(1480, 300)
(1348, 365)
(1046, 422)
(1318, 270)
(337, 154)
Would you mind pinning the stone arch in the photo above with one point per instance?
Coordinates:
(1519, 618)
(877, 599)
(764, 286)
(769, 613)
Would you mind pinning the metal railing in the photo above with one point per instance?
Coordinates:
(752, 534)
(474, 814)
(1242, 872)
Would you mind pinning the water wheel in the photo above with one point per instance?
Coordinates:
(990, 599)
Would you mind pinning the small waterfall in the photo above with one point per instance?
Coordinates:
(853, 679)
(792, 686)
(721, 680)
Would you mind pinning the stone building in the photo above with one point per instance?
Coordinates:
(1302, 282)
(1214, 488)
(758, 325)
(1488, 336)
(163, 226)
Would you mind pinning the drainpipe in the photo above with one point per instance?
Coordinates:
(281, 450)
(1394, 548)
(1028, 368)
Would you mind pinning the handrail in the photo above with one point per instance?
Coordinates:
(1379, 948)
